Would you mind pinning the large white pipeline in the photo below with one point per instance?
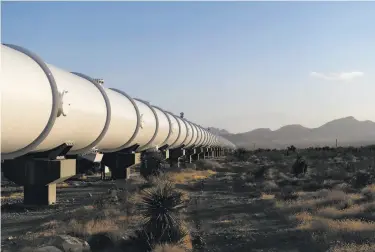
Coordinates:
(124, 125)
(44, 106)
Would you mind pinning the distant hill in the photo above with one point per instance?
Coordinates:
(347, 130)
(218, 131)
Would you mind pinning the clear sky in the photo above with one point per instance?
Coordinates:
(232, 65)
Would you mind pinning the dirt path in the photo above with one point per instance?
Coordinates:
(234, 218)
(18, 220)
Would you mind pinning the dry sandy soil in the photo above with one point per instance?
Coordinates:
(251, 205)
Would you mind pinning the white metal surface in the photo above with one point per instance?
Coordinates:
(190, 134)
(175, 132)
(27, 101)
(204, 143)
(147, 127)
(86, 118)
(211, 139)
(164, 128)
(200, 136)
(207, 144)
(194, 135)
(123, 125)
(208, 138)
(44, 106)
(203, 136)
(183, 133)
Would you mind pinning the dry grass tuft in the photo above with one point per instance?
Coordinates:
(353, 247)
(189, 175)
(14, 195)
(321, 221)
(315, 223)
(312, 201)
(62, 185)
(369, 191)
(90, 227)
(206, 164)
(265, 196)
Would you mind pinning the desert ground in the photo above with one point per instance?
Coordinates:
(246, 201)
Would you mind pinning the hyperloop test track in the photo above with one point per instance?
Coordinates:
(55, 123)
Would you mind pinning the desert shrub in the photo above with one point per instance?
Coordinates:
(144, 240)
(206, 164)
(160, 207)
(270, 186)
(241, 154)
(152, 164)
(291, 148)
(161, 204)
(362, 178)
(369, 192)
(100, 242)
(299, 166)
(259, 172)
(275, 156)
(286, 193)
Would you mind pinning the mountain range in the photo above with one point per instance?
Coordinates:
(348, 131)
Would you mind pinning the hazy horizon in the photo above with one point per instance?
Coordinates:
(276, 128)
(256, 64)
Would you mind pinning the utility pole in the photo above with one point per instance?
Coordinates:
(336, 142)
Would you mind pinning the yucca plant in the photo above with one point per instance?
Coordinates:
(160, 207)
(299, 166)
(161, 204)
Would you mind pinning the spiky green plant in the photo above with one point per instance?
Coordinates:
(161, 207)
(161, 204)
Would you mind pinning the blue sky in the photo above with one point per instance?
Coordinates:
(232, 65)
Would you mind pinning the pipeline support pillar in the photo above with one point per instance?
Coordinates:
(39, 177)
(121, 164)
(198, 154)
(190, 153)
(175, 156)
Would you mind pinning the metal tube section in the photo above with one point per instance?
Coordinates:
(125, 122)
(165, 128)
(149, 126)
(24, 77)
(175, 132)
(44, 107)
(184, 133)
(199, 141)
